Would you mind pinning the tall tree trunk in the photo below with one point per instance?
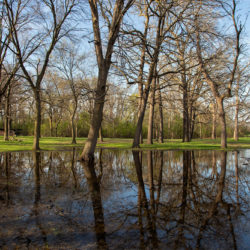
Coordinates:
(161, 133)
(151, 112)
(190, 118)
(56, 128)
(37, 129)
(142, 63)
(214, 122)
(51, 125)
(151, 73)
(100, 134)
(73, 131)
(237, 107)
(222, 118)
(73, 125)
(200, 128)
(184, 86)
(7, 115)
(238, 27)
(89, 148)
(104, 63)
(192, 124)
(6, 120)
(185, 136)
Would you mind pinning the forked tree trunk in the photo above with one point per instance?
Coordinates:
(37, 129)
(104, 63)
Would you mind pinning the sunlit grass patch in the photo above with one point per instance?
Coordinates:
(22, 143)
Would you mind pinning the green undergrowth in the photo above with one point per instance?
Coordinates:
(64, 143)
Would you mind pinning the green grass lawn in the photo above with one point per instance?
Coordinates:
(64, 143)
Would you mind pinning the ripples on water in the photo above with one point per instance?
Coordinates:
(128, 200)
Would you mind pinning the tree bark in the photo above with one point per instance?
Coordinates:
(151, 112)
(214, 122)
(73, 130)
(161, 133)
(237, 107)
(222, 118)
(142, 63)
(7, 116)
(90, 145)
(153, 63)
(51, 126)
(214, 84)
(37, 129)
(73, 125)
(103, 67)
(100, 134)
(185, 136)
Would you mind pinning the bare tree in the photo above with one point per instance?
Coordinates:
(219, 89)
(166, 21)
(104, 63)
(8, 69)
(45, 23)
(69, 65)
(240, 91)
(54, 101)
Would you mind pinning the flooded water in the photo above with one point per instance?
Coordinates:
(127, 200)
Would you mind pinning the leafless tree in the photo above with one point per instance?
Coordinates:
(114, 18)
(220, 87)
(36, 27)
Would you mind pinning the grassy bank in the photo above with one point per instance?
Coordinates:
(64, 143)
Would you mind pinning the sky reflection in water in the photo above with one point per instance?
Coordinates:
(132, 200)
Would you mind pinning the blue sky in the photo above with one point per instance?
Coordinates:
(244, 7)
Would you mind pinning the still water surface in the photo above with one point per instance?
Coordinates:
(128, 200)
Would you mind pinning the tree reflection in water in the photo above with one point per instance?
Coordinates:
(37, 200)
(131, 200)
(95, 193)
